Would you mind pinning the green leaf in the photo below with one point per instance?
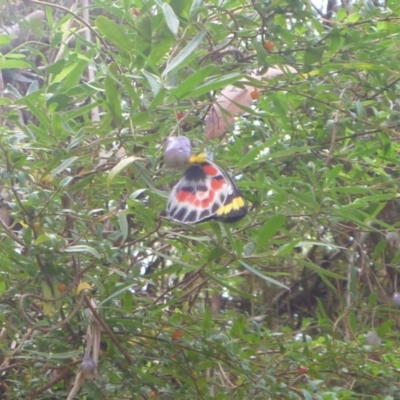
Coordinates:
(14, 91)
(10, 64)
(253, 155)
(112, 89)
(288, 248)
(262, 54)
(159, 48)
(132, 91)
(335, 42)
(171, 19)
(117, 293)
(383, 26)
(33, 87)
(57, 102)
(50, 239)
(238, 327)
(353, 18)
(262, 276)
(181, 8)
(185, 53)
(4, 101)
(324, 273)
(71, 74)
(364, 66)
(269, 229)
(113, 32)
(194, 9)
(48, 306)
(4, 40)
(214, 83)
(306, 395)
(123, 164)
(83, 249)
(341, 14)
(64, 165)
(384, 328)
(154, 82)
(313, 55)
(192, 81)
(123, 225)
(158, 99)
(57, 67)
(144, 43)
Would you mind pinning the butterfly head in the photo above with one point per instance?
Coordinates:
(198, 158)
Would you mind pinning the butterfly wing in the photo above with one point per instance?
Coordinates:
(205, 192)
(234, 207)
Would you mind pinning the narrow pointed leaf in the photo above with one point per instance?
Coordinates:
(185, 53)
(121, 166)
(171, 19)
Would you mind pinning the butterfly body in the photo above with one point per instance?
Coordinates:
(205, 192)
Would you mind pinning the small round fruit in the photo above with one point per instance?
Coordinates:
(268, 45)
(153, 394)
(193, 374)
(61, 287)
(37, 227)
(255, 94)
(303, 370)
(176, 335)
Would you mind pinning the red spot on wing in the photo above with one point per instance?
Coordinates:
(210, 169)
(205, 203)
(218, 182)
(184, 196)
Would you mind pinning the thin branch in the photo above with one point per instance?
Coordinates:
(108, 330)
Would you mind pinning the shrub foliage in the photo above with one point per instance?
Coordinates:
(297, 300)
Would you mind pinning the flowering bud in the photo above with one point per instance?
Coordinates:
(88, 368)
(373, 339)
(396, 298)
(177, 151)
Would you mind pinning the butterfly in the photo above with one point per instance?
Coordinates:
(205, 192)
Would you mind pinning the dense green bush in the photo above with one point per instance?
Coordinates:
(297, 300)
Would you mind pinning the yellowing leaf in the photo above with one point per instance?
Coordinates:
(83, 286)
(234, 101)
(49, 308)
